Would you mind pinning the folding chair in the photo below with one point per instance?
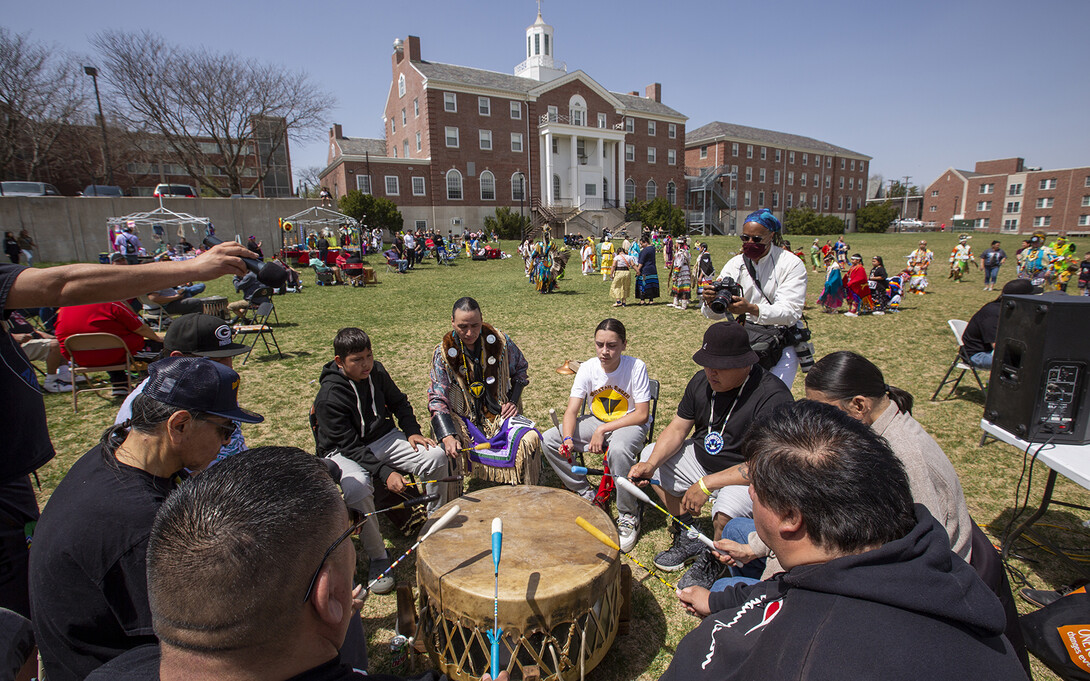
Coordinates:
(961, 363)
(259, 329)
(84, 342)
(153, 314)
(260, 296)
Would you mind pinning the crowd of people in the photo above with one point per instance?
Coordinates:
(171, 550)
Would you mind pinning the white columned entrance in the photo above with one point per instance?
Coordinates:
(548, 179)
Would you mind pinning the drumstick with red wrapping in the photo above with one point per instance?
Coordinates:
(439, 524)
(583, 470)
(494, 635)
(602, 537)
(628, 486)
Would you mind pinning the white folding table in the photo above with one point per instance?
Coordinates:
(1071, 461)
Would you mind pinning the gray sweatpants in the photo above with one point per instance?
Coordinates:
(624, 450)
(393, 448)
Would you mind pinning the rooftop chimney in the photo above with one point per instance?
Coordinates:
(337, 132)
(654, 91)
(634, 93)
(414, 48)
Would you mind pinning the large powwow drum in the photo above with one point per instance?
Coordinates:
(560, 590)
(215, 306)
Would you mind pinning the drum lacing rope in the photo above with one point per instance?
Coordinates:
(582, 655)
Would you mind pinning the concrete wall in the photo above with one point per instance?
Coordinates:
(70, 229)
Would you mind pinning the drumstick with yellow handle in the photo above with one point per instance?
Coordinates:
(628, 486)
(449, 478)
(477, 448)
(602, 537)
(439, 524)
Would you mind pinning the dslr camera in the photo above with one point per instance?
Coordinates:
(726, 289)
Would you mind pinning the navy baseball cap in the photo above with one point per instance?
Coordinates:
(198, 384)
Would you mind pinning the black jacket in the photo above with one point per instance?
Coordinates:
(348, 420)
(908, 610)
(980, 332)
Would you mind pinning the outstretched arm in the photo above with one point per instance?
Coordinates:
(85, 283)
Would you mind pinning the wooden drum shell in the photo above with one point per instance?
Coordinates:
(560, 588)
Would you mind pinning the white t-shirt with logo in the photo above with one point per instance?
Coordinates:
(612, 396)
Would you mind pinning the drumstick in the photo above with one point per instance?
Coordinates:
(477, 448)
(626, 485)
(583, 470)
(449, 478)
(601, 536)
(439, 524)
(556, 421)
(426, 499)
(494, 635)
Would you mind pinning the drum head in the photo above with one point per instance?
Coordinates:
(549, 566)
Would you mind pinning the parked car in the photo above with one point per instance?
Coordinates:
(174, 190)
(107, 190)
(17, 188)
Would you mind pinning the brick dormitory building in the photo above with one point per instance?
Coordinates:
(462, 141)
(1005, 196)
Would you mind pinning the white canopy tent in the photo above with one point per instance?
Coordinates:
(159, 217)
(318, 219)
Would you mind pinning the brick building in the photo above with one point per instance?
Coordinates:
(1006, 196)
(735, 169)
(461, 142)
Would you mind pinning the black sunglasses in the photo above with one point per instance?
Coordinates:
(227, 430)
(754, 239)
(355, 528)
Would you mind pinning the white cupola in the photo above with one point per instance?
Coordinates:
(540, 47)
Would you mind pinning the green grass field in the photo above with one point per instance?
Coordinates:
(406, 315)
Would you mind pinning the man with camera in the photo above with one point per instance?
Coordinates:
(767, 284)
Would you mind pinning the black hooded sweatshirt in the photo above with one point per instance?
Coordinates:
(348, 419)
(910, 609)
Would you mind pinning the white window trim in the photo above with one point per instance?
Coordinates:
(447, 136)
(652, 155)
(671, 131)
(487, 102)
(482, 135)
(516, 137)
(671, 157)
(397, 185)
(450, 102)
(461, 184)
(422, 186)
(488, 174)
(651, 128)
(630, 153)
(516, 111)
(368, 182)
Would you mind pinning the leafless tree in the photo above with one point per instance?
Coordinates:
(207, 106)
(309, 178)
(41, 93)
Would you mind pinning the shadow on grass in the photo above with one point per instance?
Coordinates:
(1039, 564)
(272, 356)
(632, 654)
(962, 392)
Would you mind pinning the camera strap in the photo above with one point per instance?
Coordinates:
(752, 269)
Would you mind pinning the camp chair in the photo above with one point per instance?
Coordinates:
(259, 329)
(445, 256)
(84, 342)
(961, 363)
(323, 273)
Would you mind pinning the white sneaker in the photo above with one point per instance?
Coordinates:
(628, 527)
(879, 312)
(850, 314)
(588, 494)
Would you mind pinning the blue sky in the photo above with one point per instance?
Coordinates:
(919, 87)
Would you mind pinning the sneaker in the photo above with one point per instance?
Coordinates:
(684, 550)
(588, 494)
(119, 392)
(384, 585)
(878, 313)
(628, 527)
(52, 384)
(703, 573)
(850, 314)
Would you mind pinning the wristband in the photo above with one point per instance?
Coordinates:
(703, 487)
(566, 439)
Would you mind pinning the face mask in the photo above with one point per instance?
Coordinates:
(753, 251)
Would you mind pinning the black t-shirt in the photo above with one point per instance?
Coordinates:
(1084, 270)
(979, 335)
(26, 442)
(142, 664)
(88, 582)
(761, 393)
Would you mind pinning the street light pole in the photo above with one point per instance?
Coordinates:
(93, 72)
(522, 198)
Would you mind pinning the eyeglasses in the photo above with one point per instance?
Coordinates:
(754, 239)
(355, 528)
(226, 430)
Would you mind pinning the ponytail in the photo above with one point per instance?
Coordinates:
(843, 375)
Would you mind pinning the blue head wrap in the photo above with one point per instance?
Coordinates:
(766, 219)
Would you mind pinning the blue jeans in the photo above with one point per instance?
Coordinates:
(737, 530)
(981, 360)
(990, 274)
(191, 291)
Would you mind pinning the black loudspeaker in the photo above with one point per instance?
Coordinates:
(1039, 383)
